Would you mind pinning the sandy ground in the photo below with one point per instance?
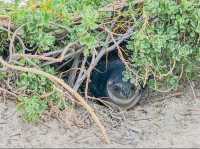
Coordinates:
(157, 122)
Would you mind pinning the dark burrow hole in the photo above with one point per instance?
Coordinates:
(107, 82)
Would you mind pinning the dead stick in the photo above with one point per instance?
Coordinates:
(66, 87)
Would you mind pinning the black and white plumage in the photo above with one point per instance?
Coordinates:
(107, 81)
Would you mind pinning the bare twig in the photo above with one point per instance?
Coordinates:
(11, 47)
(45, 58)
(67, 56)
(72, 75)
(88, 76)
(82, 71)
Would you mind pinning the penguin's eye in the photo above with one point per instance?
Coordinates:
(116, 87)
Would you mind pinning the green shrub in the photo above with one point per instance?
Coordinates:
(165, 43)
(31, 108)
(43, 18)
(36, 87)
